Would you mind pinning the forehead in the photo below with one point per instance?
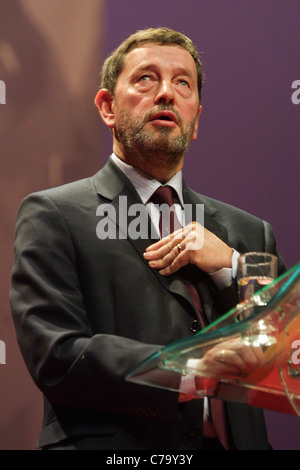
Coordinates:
(167, 56)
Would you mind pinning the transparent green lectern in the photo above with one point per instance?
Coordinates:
(270, 320)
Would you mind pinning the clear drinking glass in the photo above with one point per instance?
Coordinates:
(255, 270)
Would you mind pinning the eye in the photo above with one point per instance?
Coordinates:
(144, 78)
(183, 82)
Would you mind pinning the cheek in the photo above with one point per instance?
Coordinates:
(190, 113)
(134, 102)
(139, 105)
(190, 118)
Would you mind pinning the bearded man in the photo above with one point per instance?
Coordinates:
(88, 308)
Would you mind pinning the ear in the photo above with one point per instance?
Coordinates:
(195, 133)
(103, 102)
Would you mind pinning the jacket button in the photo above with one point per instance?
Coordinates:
(195, 327)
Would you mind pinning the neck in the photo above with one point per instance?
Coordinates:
(161, 168)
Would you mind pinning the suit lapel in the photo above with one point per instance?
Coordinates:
(190, 197)
(202, 280)
(114, 188)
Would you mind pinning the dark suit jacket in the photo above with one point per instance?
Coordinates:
(87, 311)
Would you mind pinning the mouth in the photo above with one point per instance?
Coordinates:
(165, 118)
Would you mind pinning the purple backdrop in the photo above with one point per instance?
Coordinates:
(50, 132)
(247, 152)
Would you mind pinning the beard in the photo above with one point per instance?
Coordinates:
(156, 144)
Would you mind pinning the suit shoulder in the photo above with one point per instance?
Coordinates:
(229, 209)
(73, 192)
(221, 209)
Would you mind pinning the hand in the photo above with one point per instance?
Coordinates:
(192, 244)
(230, 358)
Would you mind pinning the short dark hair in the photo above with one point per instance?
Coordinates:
(114, 63)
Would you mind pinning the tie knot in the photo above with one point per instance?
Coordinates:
(163, 195)
(168, 221)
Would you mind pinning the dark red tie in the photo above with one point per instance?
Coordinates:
(168, 221)
(167, 225)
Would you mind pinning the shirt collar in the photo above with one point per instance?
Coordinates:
(144, 184)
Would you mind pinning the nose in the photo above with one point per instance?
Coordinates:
(165, 93)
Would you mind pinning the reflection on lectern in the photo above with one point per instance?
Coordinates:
(250, 355)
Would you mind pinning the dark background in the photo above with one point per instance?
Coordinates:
(247, 152)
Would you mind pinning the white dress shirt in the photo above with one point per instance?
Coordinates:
(146, 186)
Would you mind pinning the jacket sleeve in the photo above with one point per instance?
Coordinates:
(264, 240)
(270, 246)
(69, 363)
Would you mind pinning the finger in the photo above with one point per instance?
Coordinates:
(252, 356)
(175, 258)
(157, 245)
(162, 248)
(232, 359)
(177, 263)
(159, 252)
(178, 235)
(222, 362)
(244, 357)
(163, 261)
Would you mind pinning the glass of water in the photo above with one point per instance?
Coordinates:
(255, 270)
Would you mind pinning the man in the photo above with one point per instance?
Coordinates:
(91, 299)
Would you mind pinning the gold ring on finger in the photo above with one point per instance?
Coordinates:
(222, 354)
(179, 248)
